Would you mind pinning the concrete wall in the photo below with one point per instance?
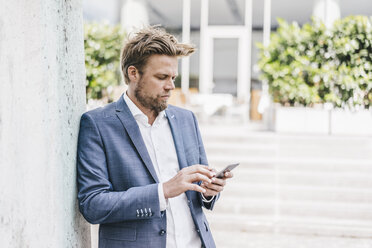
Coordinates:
(42, 95)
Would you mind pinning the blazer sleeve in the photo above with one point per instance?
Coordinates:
(98, 202)
(203, 160)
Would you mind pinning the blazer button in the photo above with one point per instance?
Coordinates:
(162, 232)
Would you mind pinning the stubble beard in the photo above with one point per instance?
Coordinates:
(155, 104)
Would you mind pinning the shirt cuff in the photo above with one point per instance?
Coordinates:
(205, 199)
(162, 200)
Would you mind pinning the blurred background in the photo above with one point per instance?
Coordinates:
(285, 88)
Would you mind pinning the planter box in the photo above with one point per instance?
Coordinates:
(301, 120)
(321, 121)
(347, 122)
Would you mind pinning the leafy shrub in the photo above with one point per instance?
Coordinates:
(311, 64)
(102, 44)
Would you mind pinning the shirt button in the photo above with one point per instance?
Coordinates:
(162, 232)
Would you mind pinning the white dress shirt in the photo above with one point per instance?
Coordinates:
(158, 138)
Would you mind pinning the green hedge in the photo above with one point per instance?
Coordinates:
(102, 44)
(312, 64)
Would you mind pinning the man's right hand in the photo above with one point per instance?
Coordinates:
(185, 178)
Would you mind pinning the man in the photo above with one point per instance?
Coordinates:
(142, 168)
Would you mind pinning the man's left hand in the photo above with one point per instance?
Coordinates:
(216, 186)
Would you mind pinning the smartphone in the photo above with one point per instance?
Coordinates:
(227, 168)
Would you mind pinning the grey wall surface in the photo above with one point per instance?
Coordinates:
(42, 96)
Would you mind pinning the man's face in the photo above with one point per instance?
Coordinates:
(154, 86)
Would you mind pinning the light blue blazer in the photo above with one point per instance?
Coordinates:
(117, 183)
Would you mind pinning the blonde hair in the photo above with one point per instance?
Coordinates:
(149, 41)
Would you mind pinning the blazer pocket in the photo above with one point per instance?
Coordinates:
(125, 231)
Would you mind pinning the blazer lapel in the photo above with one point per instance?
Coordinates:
(178, 141)
(177, 137)
(131, 126)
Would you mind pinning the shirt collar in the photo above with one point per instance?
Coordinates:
(138, 114)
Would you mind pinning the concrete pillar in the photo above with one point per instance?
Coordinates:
(267, 23)
(186, 13)
(265, 106)
(206, 51)
(42, 95)
(327, 10)
(133, 20)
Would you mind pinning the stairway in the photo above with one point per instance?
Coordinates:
(291, 187)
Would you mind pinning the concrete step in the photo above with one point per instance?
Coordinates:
(246, 207)
(293, 150)
(298, 193)
(233, 239)
(295, 178)
(211, 134)
(330, 194)
(324, 151)
(304, 226)
(243, 136)
(339, 211)
(293, 164)
(299, 209)
(240, 149)
(326, 179)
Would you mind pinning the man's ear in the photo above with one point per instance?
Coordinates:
(133, 74)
